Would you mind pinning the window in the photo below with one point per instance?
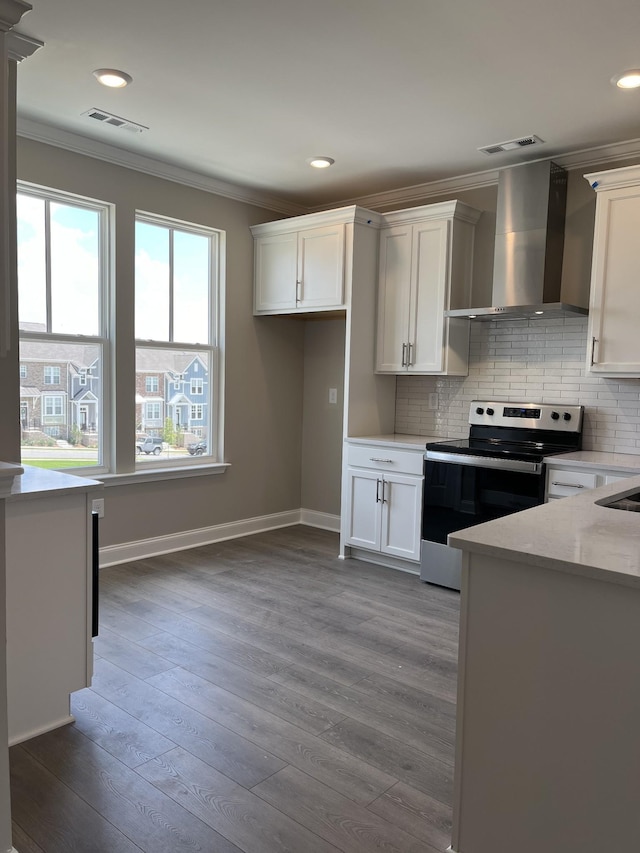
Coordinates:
(153, 412)
(62, 276)
(177, 322)
(53, 407)
(51, 375)
(82, 377)
(23, 371)
(151, 385)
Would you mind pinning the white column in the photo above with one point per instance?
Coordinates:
(10, 13)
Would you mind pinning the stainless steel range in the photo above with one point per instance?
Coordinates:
(498, 470)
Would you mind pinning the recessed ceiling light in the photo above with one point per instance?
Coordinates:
(321, 162)
(538, 312)
(628, 79)
(112, 78)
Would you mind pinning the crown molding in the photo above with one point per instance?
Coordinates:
(40, 132)
(20, 46)
(406, 196)
(416, 194)
(11, 11)
(389, 200)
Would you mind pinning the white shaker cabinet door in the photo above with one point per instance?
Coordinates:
(401, 516)
(321, 267)
(426, 322)
(614, 342)
(363, 508)
(275, 272)
(394, 298)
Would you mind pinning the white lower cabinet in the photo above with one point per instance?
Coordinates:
(563, 482)
(383, 501)
(49, 646)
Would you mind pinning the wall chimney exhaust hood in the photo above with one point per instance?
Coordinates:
(527, 264)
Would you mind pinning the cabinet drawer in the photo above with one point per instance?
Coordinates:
(386, 458)
(561, 483)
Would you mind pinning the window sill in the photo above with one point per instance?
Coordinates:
(153, 475)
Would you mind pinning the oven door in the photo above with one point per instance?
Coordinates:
(460, 491)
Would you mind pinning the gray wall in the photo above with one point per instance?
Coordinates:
(322, 421)
(264, 358)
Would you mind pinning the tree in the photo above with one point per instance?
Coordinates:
(169, 432)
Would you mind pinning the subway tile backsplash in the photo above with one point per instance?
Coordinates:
(533, 360)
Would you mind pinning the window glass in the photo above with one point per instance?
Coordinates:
(179, 345)
(32, 268)
(191, 288)
(60, 428)
(172, 417)
(75, 270)
(61, 271)
(152, 282)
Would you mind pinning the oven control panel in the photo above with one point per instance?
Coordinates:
(558, 417)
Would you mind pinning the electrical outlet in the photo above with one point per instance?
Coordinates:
(333, 396)
(433, 400)
(97, 505)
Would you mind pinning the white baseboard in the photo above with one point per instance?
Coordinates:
(324, 520)
(42, 730)
(112, 555)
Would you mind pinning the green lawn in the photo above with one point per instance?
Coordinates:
(61, 463)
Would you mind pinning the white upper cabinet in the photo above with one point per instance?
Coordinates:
(614, 343)
(426, 256)
(299, 265)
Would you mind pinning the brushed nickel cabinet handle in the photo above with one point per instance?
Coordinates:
(409, 355)
(298, 285)
(594, 341)
(379, 459)
(567, 485)
(384, 500)
(378, 491)
(404, 355)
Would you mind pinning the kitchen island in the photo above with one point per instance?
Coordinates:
(547, 751)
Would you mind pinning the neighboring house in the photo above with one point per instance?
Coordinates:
(58, 389)
(171, 386)
(187, 393)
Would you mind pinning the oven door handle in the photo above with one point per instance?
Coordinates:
(484, 461)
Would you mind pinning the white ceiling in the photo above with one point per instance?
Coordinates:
(398, 92)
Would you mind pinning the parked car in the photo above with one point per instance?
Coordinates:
(197, 448)
(149, 445)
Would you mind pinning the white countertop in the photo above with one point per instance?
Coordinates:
(41, 482)
(628, 463)
(406, 442)
(573, 535)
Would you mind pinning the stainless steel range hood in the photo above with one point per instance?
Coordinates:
(527, 265)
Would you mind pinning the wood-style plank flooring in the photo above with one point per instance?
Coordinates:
(256, 695)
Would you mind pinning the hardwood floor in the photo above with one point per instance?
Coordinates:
(257, 695)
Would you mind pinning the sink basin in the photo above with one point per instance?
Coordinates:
(630, 503)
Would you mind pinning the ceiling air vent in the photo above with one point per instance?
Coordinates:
(115, 121)
(511, 144)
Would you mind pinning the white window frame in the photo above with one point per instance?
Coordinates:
(196, 411)
(52, 398)
(103, 340)
(197, 385)
(157, 406)
(214, 347)
(23, 371)
(50, 372)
